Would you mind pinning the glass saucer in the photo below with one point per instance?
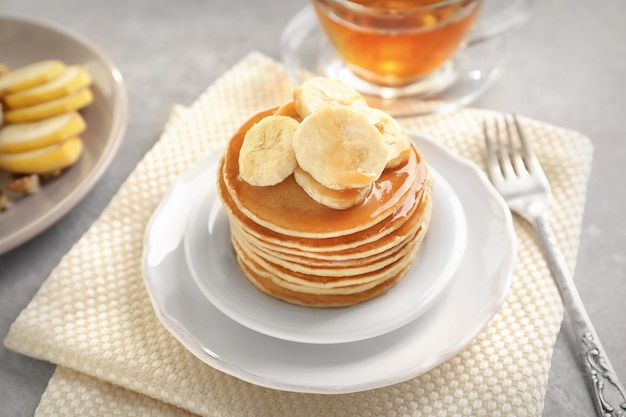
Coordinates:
(306, 53)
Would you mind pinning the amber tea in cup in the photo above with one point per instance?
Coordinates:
(395, 43)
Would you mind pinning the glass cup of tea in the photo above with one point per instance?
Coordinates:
(401, 48)
(396, 42)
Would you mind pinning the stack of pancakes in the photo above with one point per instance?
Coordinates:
(302, 252)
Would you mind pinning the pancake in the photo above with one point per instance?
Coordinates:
(325, 243)
(265, 284)
(294, 248)
(313, 274)
(385, 235)
(302, 261)
(314, 281)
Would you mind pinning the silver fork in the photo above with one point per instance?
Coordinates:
(516, 174)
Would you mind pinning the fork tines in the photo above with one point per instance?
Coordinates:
(511, 153)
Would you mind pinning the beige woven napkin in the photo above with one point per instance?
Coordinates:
(94, 319)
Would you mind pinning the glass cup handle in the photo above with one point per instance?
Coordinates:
(498, 17)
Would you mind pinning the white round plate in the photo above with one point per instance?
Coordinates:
(213, 266)
(24, 40)
(466, 305)
(306, 52)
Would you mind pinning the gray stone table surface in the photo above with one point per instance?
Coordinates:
(566, 67)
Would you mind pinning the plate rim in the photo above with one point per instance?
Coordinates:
(113, 142)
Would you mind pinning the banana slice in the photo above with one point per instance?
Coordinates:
(317, 92)
(336, 199)
(43, 160)
(340, 148)
(397, 142)
(30, 76)
(23, 137)
(74, 101)
(288, 109)
(266, 156)
(72, 79)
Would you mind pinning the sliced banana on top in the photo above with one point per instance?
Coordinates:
(330, 139)
(336, 199)
(266, 156)
(340, 148)
(397, 142)
(288, 109)
(317, 92)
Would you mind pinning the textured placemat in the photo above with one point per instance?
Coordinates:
(93, 316)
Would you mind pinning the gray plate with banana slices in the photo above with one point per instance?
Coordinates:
(24, 41)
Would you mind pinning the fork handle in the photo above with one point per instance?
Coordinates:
(608, 392)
